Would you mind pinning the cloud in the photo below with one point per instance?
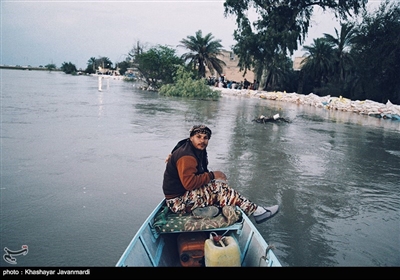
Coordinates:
(41, 32)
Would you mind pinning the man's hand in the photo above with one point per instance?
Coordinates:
(219, 176)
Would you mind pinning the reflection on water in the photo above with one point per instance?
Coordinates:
(82, 169)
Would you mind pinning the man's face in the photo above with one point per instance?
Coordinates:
(199, 141)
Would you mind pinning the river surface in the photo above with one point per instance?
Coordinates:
(81, 169)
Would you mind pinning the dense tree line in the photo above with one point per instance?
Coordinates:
(360, 61)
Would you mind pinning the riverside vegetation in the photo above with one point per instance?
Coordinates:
(359, 62)
(186, 86)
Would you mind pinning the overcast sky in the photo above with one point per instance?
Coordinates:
(42, 32)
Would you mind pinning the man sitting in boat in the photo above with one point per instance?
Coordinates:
(189, 187)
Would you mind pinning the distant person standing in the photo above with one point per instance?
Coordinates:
(255, 85)
(246, 84)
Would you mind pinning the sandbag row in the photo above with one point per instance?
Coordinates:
(365, 107)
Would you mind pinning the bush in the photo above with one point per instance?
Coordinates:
(68, 68)
(185, 86)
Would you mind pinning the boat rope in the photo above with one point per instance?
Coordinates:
(265, 258)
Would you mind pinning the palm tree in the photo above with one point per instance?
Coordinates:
(276, 69)
(203, 53)
(92, 62)
(319, 61)
(342, 44)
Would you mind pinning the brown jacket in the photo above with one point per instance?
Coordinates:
(185, 170)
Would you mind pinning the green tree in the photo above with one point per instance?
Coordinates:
(51, 66)
(377, 51)
(319, 61)
(158, 65)
(68, 68)
(280, 27)
(91, 66)
(123, 66)
(282, 76)
(203, 52)
(342, 45)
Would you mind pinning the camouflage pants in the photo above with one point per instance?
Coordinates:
(214, 193)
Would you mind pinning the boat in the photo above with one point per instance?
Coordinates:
(159, 244)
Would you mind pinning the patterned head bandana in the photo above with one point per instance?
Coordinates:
(200, 129)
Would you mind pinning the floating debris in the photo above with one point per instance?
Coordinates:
(274, 118)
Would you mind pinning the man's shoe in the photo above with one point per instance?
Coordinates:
(208, 211)
(269, 213)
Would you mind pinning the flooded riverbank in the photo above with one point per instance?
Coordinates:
(81, 169)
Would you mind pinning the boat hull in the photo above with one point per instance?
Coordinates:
(149, 249)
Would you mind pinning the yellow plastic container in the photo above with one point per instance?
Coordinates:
(223, 253)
